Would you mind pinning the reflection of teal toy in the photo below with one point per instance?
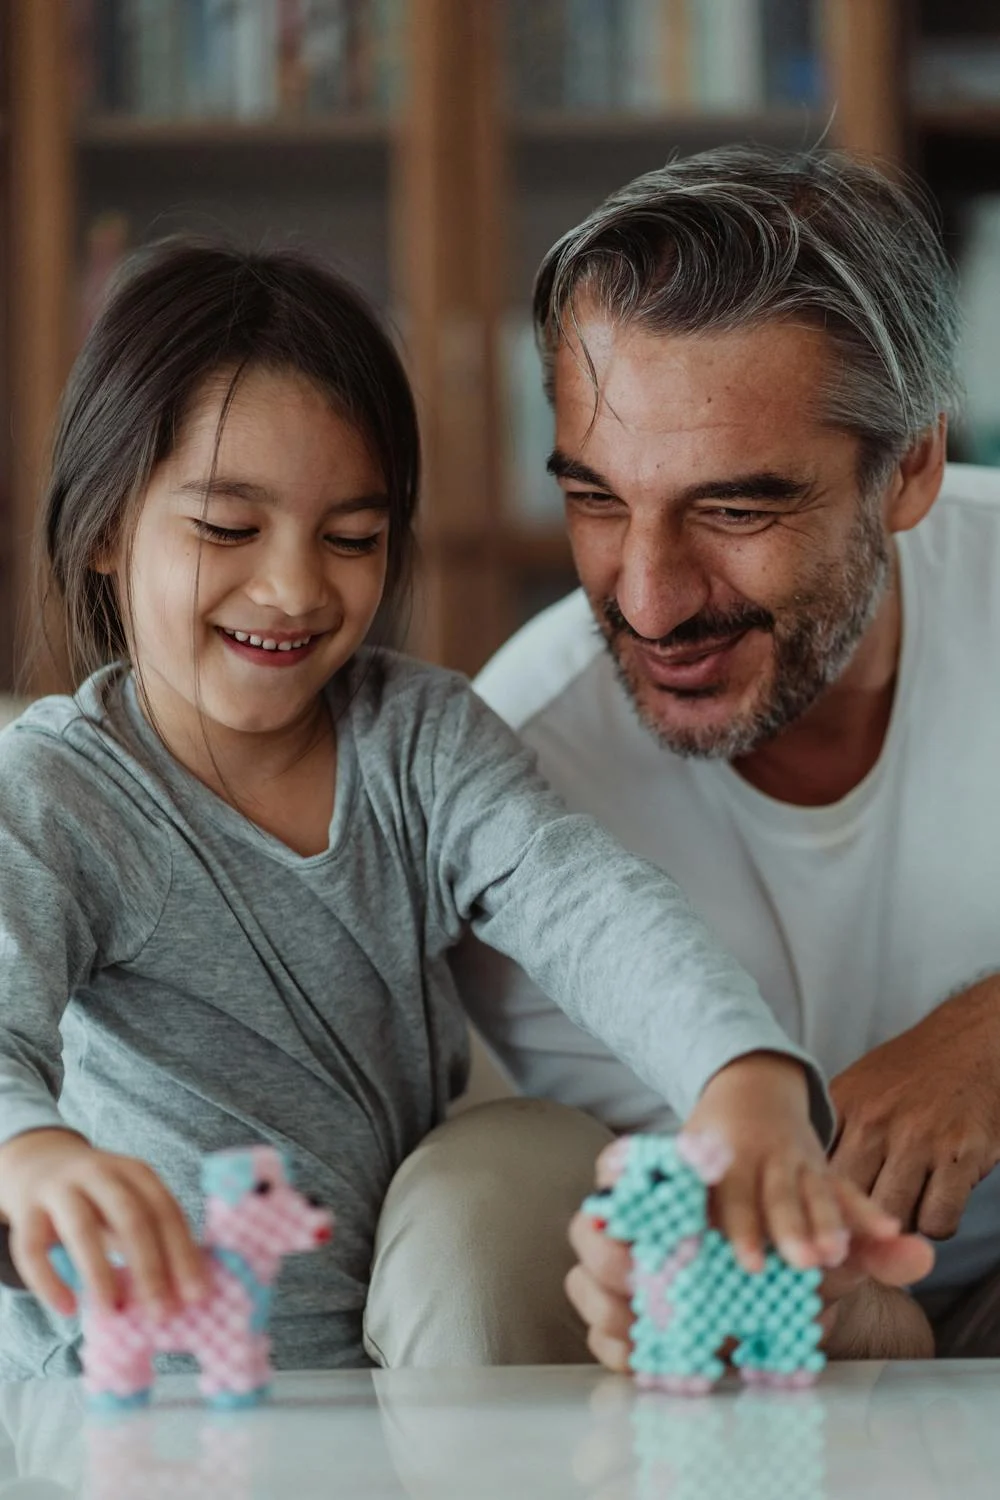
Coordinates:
(769, 1446)
(690, 1292)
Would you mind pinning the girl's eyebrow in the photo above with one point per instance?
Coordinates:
(221, 487)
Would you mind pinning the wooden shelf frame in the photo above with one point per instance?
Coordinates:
(450, 160)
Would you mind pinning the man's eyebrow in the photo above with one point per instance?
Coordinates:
(221, 487)
(563, 467)
(765, 485)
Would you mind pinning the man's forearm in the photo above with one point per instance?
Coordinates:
(880, 1322)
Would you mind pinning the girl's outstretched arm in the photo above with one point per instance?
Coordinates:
(614, 941)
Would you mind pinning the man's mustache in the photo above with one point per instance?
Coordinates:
(706, 626)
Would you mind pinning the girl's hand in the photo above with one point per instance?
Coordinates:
(54, 1187)
(780, 1187)
(865, 1316)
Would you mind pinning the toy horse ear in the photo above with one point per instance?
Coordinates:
(709, 1154)
(612, 1161)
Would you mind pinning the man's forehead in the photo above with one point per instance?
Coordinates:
(634, 371)
(755, 393)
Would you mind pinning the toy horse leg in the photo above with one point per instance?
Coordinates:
(230, 1368)
(676, 1361)
(763, 1360)
(117, 1365)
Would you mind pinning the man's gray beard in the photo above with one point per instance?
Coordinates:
(811, 651)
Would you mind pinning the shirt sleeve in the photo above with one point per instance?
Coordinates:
(609, 936)
(81, 885)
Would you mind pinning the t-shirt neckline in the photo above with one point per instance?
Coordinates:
(185, 787)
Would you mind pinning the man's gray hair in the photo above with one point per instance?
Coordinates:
(741, 235)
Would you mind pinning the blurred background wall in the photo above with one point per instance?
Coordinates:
(433, 149)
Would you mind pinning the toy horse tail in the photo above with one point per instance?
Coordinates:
(64, 1267)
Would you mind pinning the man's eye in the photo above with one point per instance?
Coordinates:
(222, 534)
(740, 517)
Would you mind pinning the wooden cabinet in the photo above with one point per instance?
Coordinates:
(441, 211)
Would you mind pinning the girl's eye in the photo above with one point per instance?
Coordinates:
(596, 498)
(356, 544)
(223, 534)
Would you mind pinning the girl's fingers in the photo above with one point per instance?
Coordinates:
(29, 1246)
(185, 1258)
(737, 1209)
(78, 1225)
(827, 1232)
(788, 1226)
(602, 1311)
(137, 1236)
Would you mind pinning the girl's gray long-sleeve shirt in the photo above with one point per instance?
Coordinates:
(174, 980)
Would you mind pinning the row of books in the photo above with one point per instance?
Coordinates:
(648, 55)
(242, 59)
(959, 71)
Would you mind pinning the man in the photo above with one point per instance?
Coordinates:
(787, 701)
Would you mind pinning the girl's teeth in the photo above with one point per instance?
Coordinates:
(266, 643)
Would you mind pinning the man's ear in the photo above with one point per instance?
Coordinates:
(916, 482)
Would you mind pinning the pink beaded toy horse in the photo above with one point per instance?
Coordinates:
(253, 1217)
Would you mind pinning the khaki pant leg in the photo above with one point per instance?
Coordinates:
(471, 1248)
(970, 1329)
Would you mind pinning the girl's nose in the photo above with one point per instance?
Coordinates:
(292, 581)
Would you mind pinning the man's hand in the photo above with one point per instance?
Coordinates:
(866, 1316)
(921, 1113)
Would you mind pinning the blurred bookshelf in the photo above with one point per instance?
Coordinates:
(433, 150)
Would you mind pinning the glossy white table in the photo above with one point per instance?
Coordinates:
(910, 1430)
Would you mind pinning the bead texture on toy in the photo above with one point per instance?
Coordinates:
(253, 1218)
(690, 1293)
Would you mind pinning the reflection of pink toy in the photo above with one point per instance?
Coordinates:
(253, 1217)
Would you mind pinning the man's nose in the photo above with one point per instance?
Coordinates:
(660, 583)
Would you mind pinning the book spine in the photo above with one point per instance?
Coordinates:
(220, 55)
(729, 68)
(324, 53)
(592, 28)
(113, 62)
(292, 80)
(83, 59)
(156, 56)
(255, 59)
(792, 72)
(538, 43)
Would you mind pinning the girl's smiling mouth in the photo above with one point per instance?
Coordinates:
(274, 649)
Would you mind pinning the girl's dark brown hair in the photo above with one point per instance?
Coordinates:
(180, 311)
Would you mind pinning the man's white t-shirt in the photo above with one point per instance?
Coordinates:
(857, 918)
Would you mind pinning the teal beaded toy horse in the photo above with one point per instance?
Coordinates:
(690, 1292)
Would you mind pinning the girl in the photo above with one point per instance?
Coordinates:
(231, 866)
